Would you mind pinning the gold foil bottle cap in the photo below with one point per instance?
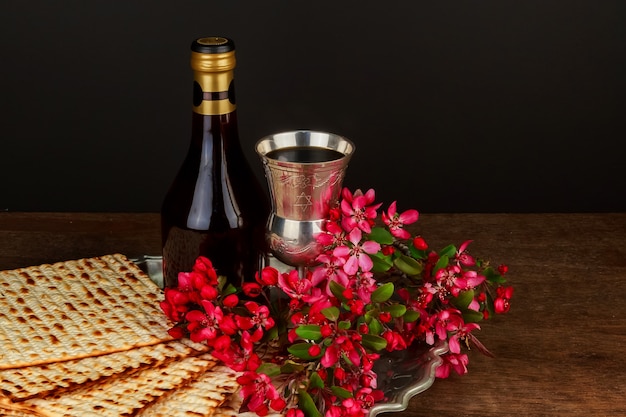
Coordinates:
(213, 54)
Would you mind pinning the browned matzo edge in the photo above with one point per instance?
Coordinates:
(202, 397)
(41, 380)
(119, 396)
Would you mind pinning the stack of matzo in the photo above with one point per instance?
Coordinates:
(87, 338)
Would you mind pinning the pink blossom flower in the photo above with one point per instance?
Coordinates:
(365, 285)
(463, 257)
(341, 345)
(257, 390)
(175, 304)
(469, 280)
(460, 331)
(367, 397)
(444, 318)
(331, 269)
(332, 235)
(239, 357)
(395, 341)
(426, 327)
(357, 254)
(205, 326)
(452, 361)
(260, 317)
(396, 222)
(358, 211)
(502, 302)
(299, 288)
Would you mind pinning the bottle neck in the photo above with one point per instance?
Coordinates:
(214, 93)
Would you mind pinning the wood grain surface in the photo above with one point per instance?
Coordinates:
(561, 351)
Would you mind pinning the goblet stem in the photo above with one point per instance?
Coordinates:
(302, 270)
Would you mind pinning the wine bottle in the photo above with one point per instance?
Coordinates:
(215, 206)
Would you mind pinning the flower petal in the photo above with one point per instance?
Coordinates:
(352, 266)
(370, 246)
(409, 216)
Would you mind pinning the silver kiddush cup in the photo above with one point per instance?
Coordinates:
(304, 170)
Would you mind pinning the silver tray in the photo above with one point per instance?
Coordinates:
(401, 375)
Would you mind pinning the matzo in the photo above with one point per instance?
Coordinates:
(115, 397)
(200, 398)
(76, 309)
(23, 383)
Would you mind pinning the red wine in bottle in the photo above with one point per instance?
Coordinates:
(215, 206)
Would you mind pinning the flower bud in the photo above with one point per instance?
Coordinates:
(251, 289)
(315, 350)
(278, 404)
(208, 292)
(385, 317)
(340, 374)
(388, 250)
(231, 300)
(269, 276)
(420, 243)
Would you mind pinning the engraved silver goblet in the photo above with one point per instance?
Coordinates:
(305, 171)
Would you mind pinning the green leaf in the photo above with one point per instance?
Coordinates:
(341, 392)
(408, 265)
(411, 315)
(331, 313)
(337, 290)
(230, 289)
(396, 310)
(271, 334)
(493, 276)
(221, 282)
(315, 381)
(374, 342)
(417, 253)
(344, 325)
(309, 332)
(269, 369)
(381, 235)
(380, 263)
(382, 293)
(471, 316)
(290, 367)
(307, 405)
(448, 251)
(301, 350)
(375, 327)
(464, 299)
(489, 305)
(441, 263)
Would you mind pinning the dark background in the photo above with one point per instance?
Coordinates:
(492, 106)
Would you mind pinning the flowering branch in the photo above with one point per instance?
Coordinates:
(306, 345)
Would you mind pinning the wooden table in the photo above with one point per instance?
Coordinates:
(561, 351)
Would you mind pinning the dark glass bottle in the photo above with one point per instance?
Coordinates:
(215, 207)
